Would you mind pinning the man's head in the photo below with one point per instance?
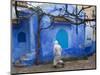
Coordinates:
(56, 42)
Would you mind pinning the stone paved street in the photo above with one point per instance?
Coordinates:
(69, 65)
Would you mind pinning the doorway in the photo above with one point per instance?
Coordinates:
(62, 37)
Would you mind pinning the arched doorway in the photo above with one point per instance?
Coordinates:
(62, 37)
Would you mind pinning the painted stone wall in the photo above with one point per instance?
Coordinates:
(23, 40)
(71, 38)
(74, 40)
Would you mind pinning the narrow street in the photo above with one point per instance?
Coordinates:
(69, 65)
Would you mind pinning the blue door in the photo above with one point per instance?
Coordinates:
(62, 37)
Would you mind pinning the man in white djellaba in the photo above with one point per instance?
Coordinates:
(57, 50)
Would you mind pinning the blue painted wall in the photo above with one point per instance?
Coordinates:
(26, 26)
(20, 48)
(71, 38)
(72, 43)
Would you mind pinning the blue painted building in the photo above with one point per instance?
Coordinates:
(71, 37)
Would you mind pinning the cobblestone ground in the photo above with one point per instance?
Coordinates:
(69, 65)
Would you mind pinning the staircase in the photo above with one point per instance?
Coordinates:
(26, 60)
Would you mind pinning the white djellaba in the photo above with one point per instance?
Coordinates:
(57, 50)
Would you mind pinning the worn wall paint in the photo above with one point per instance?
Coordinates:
(48, 36)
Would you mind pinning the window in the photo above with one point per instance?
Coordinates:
(21, 37)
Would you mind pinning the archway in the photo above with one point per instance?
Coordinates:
(62, 37)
